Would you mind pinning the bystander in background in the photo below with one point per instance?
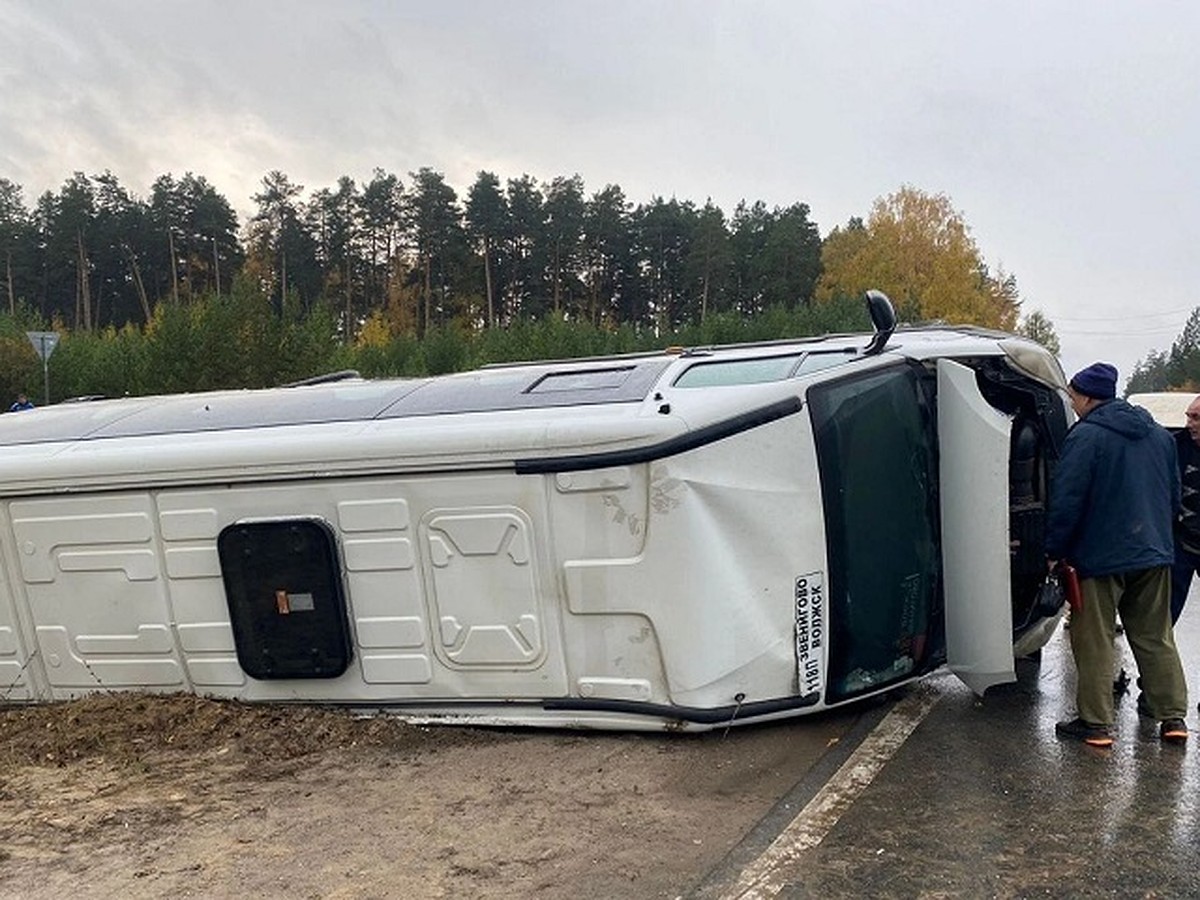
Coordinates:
(22, 402)
(1187, 525)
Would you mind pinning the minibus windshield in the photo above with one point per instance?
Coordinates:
(878, 466)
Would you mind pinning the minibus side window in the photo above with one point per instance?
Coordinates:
(875, 451)
(738, 371)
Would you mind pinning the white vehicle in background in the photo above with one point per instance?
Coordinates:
(676, 540)
(1167, 407)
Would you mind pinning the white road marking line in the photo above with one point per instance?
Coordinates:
(767, 875)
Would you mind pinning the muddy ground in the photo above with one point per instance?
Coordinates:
(145, 796)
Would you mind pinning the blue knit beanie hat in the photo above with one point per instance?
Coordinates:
(1099, 380)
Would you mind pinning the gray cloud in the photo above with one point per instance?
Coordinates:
(1066, 135)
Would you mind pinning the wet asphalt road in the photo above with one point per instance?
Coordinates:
(982, 800)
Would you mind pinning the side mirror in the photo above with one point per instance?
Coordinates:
(883, 317)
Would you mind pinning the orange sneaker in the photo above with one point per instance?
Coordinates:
(1079, 730)
(1173, 730)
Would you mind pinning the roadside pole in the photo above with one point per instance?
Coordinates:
(44, 343)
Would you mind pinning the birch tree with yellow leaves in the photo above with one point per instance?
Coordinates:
(916, 248)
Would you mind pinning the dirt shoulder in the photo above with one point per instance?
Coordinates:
(133, 795)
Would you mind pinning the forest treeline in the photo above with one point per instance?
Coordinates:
(404, 276)
(1174, 369)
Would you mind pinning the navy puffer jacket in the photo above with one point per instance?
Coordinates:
(1115, 493)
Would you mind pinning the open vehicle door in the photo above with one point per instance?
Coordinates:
(973, 449)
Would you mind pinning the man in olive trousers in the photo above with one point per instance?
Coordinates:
(1113, 503)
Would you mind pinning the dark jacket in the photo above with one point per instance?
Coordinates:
(1187, 528)
(1115, 493)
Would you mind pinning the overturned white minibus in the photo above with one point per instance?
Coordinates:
(677, 540)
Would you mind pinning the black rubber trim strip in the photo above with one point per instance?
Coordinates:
(707, 435)
(707, 716)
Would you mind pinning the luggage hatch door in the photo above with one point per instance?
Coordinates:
(973, 442)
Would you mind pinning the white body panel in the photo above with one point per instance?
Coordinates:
(973, 438)
(456, 587)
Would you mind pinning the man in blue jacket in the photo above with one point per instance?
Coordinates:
(1113, 502)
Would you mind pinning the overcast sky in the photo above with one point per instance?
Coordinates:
(1067, 134)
